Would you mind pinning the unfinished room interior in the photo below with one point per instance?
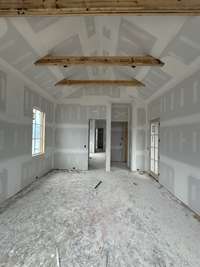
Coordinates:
(100, 133)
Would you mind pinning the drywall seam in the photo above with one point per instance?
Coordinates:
(11, 69)
(71, 126)
(195, 66)
(195, 118)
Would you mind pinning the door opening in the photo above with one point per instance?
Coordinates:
(97, 144)
(119, 143)
(154, 148)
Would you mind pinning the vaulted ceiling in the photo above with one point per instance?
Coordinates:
(175, 40)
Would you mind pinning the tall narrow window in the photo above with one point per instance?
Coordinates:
(154, 148)
(38, 132)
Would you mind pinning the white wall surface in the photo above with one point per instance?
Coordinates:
(17, 167)
(71, 135)
(179, 112)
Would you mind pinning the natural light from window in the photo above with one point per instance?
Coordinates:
(38, 132)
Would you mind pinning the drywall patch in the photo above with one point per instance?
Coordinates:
(3, 185)
(120, 112)
(186, 46)
(69, 161)
(49, 136)
(71, 138)
(133, 39)
(13, 147)
(90, 26)
(154, 109)
(108, 91)
(141, 137)
(40, 23)
(3, 91)
(186, 99)
(167, 176)
(178, 143)
(140, 162)
(141, 117)
(194, 193)
(156, 79)
(24, 58)
(26, 174)
(106, 32)
(71, 46)
(32, 99)
(2, 139)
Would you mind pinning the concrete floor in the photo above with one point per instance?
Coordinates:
(128, 221)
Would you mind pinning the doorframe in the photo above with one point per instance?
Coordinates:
(154, 175)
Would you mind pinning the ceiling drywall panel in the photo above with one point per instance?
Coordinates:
(175, 40)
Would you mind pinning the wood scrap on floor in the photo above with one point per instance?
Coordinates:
(98, 185)
(58, 258)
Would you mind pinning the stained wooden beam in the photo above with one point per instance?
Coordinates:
(67, 82)
(98, 7)
(99, 60)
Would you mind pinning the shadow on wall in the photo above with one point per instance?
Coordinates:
(3, 185)
(194, 193)
(167, 176)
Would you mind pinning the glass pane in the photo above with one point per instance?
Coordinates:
(152, 153)
(34, 115)
(156, 140)
(156, 167)
(33, 131)
(38, 124)
(152, 165)
(156, 154)
(33, 146)
(38, 117)
(152, 129)
(37, 145)
(37, 131)
(156, 128)
(152, 140)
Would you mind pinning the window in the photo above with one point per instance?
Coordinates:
(38, 132)
(154, 146)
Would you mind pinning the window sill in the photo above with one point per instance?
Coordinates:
(38, 156)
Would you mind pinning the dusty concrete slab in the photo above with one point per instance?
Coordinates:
(117, 225)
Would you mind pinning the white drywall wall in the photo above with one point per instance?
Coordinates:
(71, 135)
(17, 167)
(179, 113)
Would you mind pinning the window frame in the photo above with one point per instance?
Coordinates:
(153, 146)
(42, 134)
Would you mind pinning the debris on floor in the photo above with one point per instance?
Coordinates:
(121, 226)
(96, 186)
(141, 172)
(58, 258)
(197, 217)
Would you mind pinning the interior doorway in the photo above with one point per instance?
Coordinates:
(97, 144)
(119, 143)
(154, 148)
